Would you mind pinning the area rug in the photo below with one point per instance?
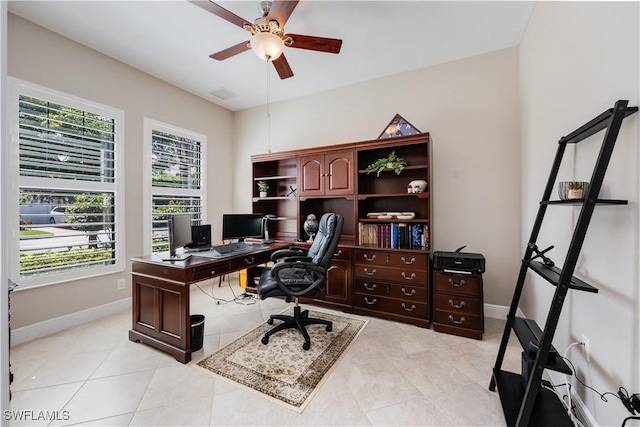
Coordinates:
(281, 370)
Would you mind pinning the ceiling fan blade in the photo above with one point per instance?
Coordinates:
(221, 12)
(321, 44)
(281, 10)
(231, 51)
(282, 67)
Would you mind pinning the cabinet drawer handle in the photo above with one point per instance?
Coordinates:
(413, 307)
(457, 285)
(370, 302)
(409, 294)
(408, 262)
(369, 288)
(338, 253)
(369, 273)
(457, 322)
(366, 257)
(213, 273)
(249, 261)
(404, 276)
(457, 304)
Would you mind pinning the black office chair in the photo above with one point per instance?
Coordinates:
(299, 272)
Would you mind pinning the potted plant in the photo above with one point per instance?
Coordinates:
(576, 189)
(391, 162)
(263, 186)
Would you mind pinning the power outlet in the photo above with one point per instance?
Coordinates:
(121, 284)
(587, 348)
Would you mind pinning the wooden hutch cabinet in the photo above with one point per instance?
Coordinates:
(377, 276)
(326, 174)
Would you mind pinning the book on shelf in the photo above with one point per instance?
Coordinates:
(394, 235)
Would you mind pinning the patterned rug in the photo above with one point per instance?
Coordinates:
(282, 370)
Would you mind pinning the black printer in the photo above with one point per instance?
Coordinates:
(458, 262)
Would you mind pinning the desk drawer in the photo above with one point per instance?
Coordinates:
(468, 321)
(459, 284)
(342, 253)
(391, 305)
(408, 275)
(249, 260)
(394, 290)
(458, 304)
(392, 258)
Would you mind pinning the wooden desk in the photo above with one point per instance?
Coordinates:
(161, 314)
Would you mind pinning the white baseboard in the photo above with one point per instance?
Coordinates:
(495, 311)
(39, 330)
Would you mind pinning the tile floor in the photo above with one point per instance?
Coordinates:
(393, 375)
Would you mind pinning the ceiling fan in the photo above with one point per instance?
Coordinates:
(267, 34)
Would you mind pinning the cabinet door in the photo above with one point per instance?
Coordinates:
(311, 170)
(339, 172)
(338, 285)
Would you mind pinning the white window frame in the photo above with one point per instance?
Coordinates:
(149, 191)
(19, 87)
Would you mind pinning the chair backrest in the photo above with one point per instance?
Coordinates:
(326, 240)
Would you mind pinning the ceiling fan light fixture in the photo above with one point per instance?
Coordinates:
(267, 46)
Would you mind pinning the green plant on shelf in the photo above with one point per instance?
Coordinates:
(391, 162)
(263, 186)
(576, 185)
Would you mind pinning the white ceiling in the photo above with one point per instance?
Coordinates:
(172, 40)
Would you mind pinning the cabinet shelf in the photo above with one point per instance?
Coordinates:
(579, 202)
(527, 330)
(389, 220)
(413, 167)
(424, 195)
(273, 178)
(548, 410)
(266, 199)
(552, 275)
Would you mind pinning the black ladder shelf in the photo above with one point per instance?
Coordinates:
(535, 405)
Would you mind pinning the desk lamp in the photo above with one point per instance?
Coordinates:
(265, 225)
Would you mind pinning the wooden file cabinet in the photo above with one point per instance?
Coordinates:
(458, 304)
(392, 284)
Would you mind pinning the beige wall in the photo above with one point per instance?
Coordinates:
(45, 58)
(470, 108)
(577, 59)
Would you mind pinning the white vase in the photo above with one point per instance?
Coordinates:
(418, 185)
(263, 194)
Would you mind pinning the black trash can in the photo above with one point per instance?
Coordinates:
(197, 331)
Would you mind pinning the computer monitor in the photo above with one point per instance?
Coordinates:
(200, 235)
(241, 226)
(179, 235)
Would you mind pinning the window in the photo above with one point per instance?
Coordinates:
(174, 164)
(68, 198)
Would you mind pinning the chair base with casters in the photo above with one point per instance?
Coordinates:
(299, 320)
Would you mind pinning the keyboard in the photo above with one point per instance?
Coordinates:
(231, 248)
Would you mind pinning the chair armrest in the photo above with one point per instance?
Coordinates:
(289, 252)
(305, 265)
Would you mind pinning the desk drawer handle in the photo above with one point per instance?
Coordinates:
(213, 273)
(369, 288)
(408, 262)
(413, 307)
(370, 302)
(457, 322)
(338, 253)
(249, 261)
(457, 285)
(369, 273)
(409, 294)
(404, 276)
(457, 304)
(366, 257)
